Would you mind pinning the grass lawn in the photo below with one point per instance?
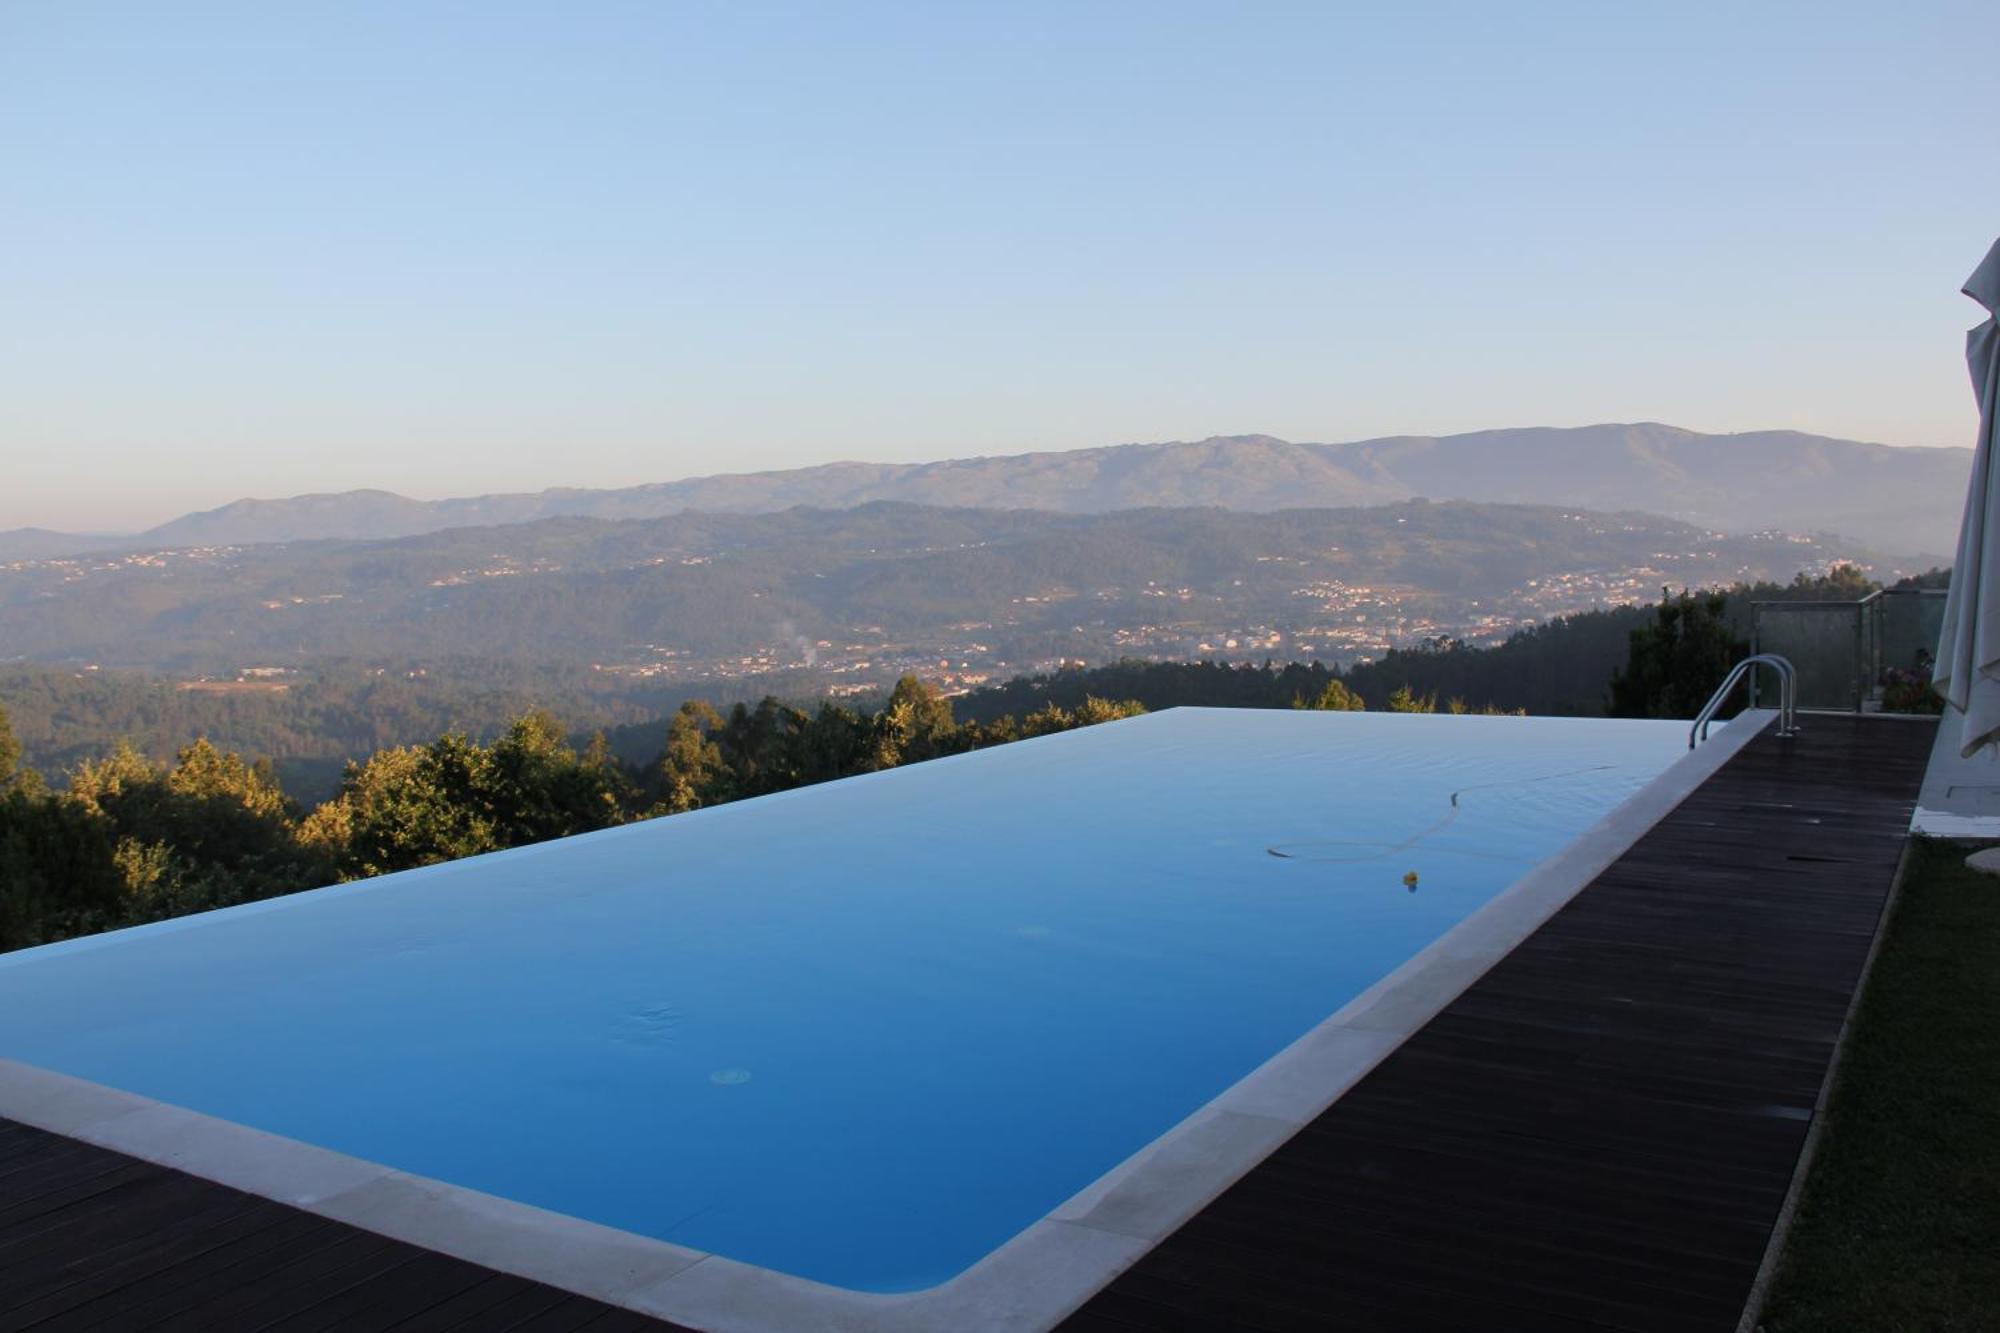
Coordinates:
(1899, 1225)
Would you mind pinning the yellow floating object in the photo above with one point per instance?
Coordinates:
(1410, 880)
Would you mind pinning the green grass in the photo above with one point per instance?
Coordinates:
(1899, 1224)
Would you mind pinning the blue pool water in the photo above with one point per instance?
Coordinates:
(863, 1032)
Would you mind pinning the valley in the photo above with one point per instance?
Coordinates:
(845, 601)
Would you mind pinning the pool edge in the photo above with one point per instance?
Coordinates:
(1029, 1283)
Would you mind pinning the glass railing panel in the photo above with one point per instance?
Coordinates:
(1907, 625)
(1910, 622)
(1828, 643)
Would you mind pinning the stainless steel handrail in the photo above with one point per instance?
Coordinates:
(1788, 691)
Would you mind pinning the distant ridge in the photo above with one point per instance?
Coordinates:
(1904, 500)
(991, 586)
(44, 543)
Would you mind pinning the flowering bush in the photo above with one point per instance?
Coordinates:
(1908, 690)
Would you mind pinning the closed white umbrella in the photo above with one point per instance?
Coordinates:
(1968, 657)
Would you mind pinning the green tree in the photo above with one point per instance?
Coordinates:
(10, 754)
(1676, 662)
(1094, 710)
(1405, 700)
(1844, 582)
(915, 724)
(58, 871)
(537, 787)
(1089, 712)
(413, 805)
(757, 746)
(418, 805)
(834, 742)
(1335, 698)
(209, 831)
(691, 770)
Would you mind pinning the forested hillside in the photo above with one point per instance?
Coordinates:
(124, 837)
(1557, 669)
(1003, 591)
(346, 710)
(317, 721)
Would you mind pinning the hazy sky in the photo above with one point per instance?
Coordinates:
(265, 248)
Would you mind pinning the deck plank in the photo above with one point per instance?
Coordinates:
(107, 1242)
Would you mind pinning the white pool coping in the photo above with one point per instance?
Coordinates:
(1027, 1285)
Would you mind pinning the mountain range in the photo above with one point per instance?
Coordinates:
(878, 587)
(1901, 500)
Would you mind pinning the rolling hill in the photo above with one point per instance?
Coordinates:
(1903, 500)
(1007, 588)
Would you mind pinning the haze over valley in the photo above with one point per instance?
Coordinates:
(1903, 500)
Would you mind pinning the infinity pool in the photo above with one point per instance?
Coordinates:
(861, 1033)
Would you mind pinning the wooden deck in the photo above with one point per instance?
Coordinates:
(1597, 1135)
(91, 1239)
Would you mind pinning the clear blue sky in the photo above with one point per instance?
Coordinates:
(265, 248)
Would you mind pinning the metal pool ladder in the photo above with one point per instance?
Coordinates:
(1788, 691)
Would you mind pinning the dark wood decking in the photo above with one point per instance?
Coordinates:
(1598, 1134)
(91, 1239)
